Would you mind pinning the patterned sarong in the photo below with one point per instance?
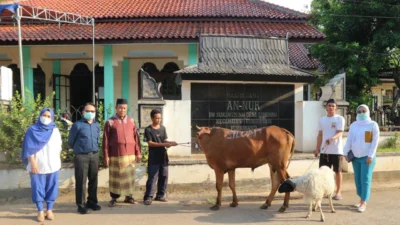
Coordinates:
(122, 175)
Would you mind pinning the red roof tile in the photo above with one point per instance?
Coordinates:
(169, 8)
(300, 57)
(157, 30)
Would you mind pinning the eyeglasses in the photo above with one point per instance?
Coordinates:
(90, 111)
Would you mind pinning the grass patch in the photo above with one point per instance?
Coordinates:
(392, 144)
(386, 149)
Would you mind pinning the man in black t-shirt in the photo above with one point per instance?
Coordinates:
(156, 136)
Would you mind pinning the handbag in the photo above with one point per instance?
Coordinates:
(350, 156)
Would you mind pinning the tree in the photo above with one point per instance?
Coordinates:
(359, 34)
(393, 65)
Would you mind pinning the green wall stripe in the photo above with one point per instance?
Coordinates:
(192, 53)
(28, 71)
(57, 70)
(108, 82)
(126, 81)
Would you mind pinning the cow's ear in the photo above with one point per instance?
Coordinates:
(212, 131)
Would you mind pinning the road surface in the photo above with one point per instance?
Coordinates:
(383, 208)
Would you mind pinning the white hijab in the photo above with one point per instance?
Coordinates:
(366, 121)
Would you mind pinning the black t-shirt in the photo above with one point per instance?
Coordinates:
(157, 155)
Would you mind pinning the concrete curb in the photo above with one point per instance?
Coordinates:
(192, 172)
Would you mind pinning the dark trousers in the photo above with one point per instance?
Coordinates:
(157, 173)
(86, 167)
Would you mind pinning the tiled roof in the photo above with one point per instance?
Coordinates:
(157, 30)
(300, 57)
(386, 74)
(243, 55)
(169, 8)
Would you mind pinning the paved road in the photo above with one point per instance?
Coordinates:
(384, 208)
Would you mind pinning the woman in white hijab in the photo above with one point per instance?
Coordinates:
(362, 140)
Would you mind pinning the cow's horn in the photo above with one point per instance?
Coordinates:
(198, 128)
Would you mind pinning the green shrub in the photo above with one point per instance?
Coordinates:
(102, 121)
(16, 118)
(393, 142)
(145, 149)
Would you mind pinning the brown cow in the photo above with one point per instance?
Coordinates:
(227, 150)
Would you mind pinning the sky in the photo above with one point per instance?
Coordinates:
(298, 5)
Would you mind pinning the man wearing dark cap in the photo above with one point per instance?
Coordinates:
(330, 133)
(121, 148)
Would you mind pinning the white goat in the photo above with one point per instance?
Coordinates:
(315, 184)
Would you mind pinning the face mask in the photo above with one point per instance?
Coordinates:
(362, 116)
(89, 115)
(45, 120)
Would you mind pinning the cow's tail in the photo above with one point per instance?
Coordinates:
(291, 139)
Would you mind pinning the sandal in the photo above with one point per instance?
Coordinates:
(161, 199)
(130, 200)
(148, 202)
(112, 203)
(337, 197)
(50, 215)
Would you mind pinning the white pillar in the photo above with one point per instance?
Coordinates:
(185, 89)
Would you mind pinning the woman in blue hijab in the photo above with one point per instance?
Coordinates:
(41, 154)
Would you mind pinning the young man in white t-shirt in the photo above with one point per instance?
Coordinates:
(329, 143)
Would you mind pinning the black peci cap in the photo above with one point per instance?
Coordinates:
(122, 101)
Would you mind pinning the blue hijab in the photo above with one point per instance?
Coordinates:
(37, 136)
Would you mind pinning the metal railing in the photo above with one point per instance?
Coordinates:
(383, 116)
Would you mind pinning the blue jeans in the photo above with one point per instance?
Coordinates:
(363, 176)
(44, 188)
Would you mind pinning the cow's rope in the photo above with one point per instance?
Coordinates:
(322, 152)
(185, 144)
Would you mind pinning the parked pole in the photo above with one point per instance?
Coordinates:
(93, 65)
(21, 65)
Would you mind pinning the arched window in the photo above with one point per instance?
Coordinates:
(150, 68)
(170, 67)
(171, 87)
(39, 81)
(16, 78)
(80, 89)
(99, 85)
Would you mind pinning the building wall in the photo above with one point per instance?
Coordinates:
(176, 119)
(134, 67)
(383, 91)
(38, 55)
(117, 82)
(177, 116)
(298, 96)
(5, 62)
(307, 120)
(47, 67)
(179, 50)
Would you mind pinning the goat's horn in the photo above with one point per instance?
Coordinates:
(198, 127)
